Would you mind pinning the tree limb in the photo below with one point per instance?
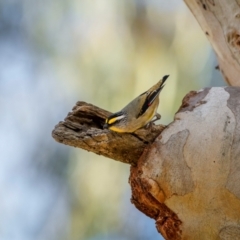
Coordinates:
(220, 21)
(82, 128)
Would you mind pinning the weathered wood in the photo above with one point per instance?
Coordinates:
(83, 128)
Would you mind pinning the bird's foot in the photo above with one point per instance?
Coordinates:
(150, 124)
(158, 116)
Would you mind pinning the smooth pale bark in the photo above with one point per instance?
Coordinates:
(189, 179)
(220, 21)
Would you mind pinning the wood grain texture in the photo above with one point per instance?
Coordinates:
(83, 128)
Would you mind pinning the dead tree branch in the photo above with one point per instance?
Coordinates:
(82, 128)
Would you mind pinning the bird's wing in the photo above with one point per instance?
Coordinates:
(149, 100)
(151, 95)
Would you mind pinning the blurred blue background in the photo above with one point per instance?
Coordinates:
(56, 52)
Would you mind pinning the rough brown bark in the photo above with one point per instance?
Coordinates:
(82, 128)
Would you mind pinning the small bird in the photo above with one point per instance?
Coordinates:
(139, 112)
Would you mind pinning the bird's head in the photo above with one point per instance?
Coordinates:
(115, 121)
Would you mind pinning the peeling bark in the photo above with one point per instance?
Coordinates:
(190, 175)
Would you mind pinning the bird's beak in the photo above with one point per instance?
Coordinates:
(105, 126)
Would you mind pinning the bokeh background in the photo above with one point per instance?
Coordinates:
(56, 52)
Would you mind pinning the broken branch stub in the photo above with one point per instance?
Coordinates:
(188, 180)
(83, 128)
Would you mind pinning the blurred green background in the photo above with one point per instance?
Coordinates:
(106, 52)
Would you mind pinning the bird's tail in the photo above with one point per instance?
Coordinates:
(161, 83)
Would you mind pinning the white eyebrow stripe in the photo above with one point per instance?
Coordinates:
(115, 119)
(120, 117)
